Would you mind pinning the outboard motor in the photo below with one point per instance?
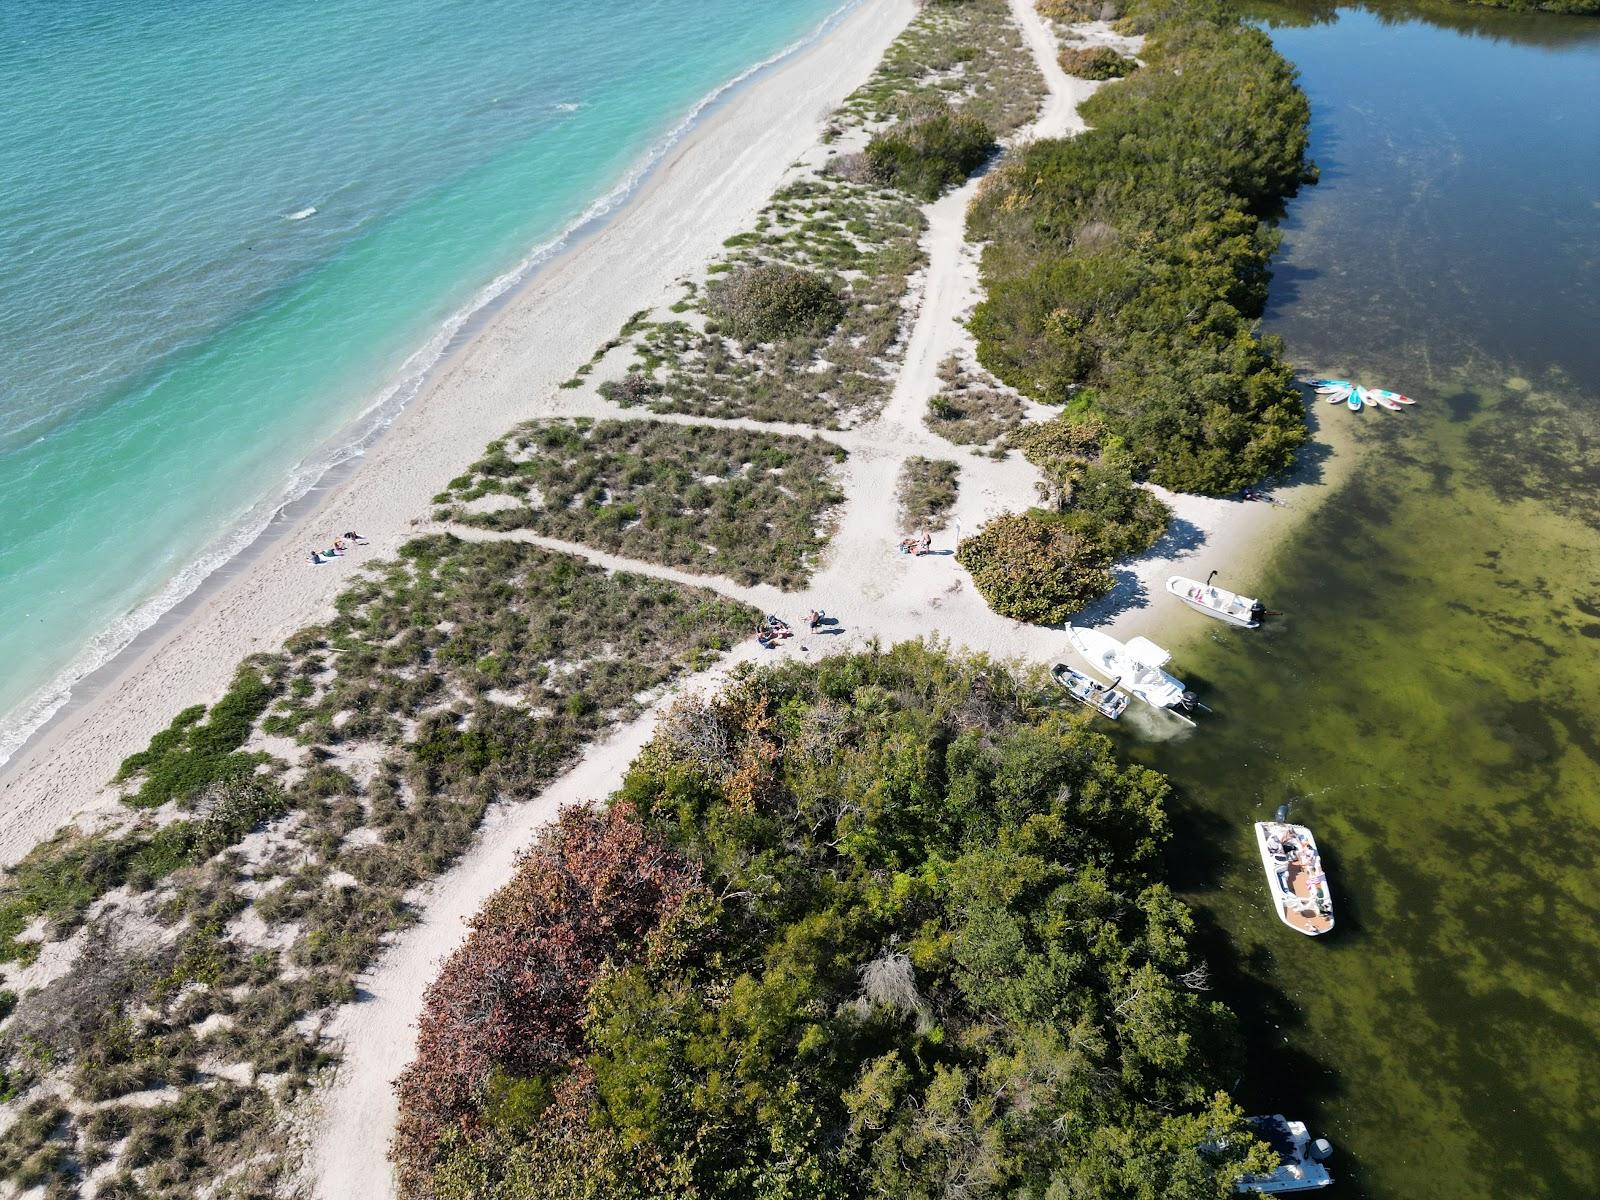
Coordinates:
(1320, 1150)
(1257, 611)
(1282, 815)
(1188, 702)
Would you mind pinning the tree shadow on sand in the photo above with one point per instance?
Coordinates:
(1128, 592)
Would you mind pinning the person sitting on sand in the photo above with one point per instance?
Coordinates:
(924, 543)
(814, 619)
(340, 545)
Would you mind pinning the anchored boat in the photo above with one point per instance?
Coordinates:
(1217, 602)
(1137, 666)
(1300, 1158)
(1106, 701)
(1295, 878)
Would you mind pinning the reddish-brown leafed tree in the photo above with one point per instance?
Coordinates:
(513, 997)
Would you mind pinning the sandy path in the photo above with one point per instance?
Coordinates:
(710, 187)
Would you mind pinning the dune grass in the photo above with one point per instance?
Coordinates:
(754, 506)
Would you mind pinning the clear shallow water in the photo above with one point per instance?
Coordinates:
(227, 230)
(1429, 701)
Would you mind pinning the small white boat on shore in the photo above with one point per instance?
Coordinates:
(1295, 878)
(1245, 611)
(1301, 1158)
(1106, 701)
(1136, 667)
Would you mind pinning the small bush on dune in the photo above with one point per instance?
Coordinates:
(767, 302)
(1030, 567)
(928, 154)
(928, 490)
(1096, 62)
(1076, 10)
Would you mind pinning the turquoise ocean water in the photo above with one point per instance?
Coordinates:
(230, 231)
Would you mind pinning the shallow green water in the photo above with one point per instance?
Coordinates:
(1429, 702)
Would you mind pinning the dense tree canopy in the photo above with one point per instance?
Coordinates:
(902, 935)
(1125, 267)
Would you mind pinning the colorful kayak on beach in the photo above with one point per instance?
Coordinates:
(1357, 397)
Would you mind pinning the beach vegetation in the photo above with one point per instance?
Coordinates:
(890, 924)
(207, 940)
(1070, 12)
(1032, 566)
(199, 747)
(929, 153)
(927, 492)
(749, 505)
(957, 67)
(767, 302)
(968, 55)
(1096, 62)
(1125, 268)
(1088, 488)
(970, 408)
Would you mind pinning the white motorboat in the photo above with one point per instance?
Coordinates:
(1217, 602)
(1136, 666)
(1295, 878)
(1106, 701)
(1301, 1158)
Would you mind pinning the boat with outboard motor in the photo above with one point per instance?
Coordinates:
(1301, 1158)
(1137, 667)
(1106, 701)
(1217, 602)
(1295, 877)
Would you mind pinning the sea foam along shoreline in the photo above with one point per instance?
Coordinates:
(352, 441)
(701, 190)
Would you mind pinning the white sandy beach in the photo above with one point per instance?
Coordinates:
(710, 187)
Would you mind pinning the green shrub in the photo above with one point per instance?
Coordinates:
(1088, 488)
(768, 302)
(1030, 567)
(926, 155)
(192, 752)
(1096, 62)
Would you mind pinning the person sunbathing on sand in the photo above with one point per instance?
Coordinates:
(316, 558)
(355, 537)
